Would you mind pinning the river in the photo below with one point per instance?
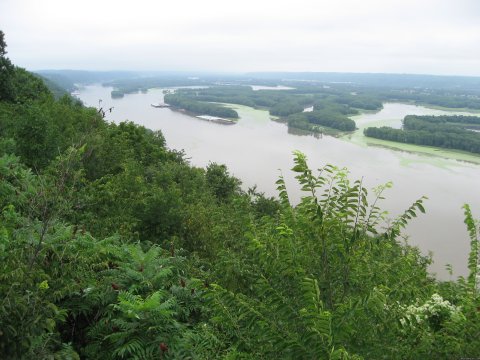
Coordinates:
(257, 150)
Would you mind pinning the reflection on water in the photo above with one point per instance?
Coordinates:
(256, 149)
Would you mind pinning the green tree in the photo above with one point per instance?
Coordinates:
(6, 72)
(3, 44)
(222, 184)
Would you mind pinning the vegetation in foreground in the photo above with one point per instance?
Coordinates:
(113, 247)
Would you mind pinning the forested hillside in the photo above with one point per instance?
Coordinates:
(112, 246)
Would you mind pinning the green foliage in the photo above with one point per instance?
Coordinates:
(451, 132)
(356, 101)
(41, 258)
(451, 98)
(473, 259)
(322, 118)
(328, 112)
(3, 44)
(28, 87)
(286, 108)
(6, 72)
(43, 129)
(273, 328)
(335, 106)
(17, 84)
(283, 300)
(219, 180)
(60, 285)
(199, 108)
(153, 312)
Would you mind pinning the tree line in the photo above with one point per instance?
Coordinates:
(449, 132)
(198, 107)
(327, 119)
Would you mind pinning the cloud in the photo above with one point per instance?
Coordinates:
(434, 36)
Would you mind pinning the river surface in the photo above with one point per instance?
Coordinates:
(257, 150)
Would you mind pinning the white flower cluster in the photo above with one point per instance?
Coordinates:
(435, 307)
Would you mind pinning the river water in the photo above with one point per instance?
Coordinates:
(257, 150)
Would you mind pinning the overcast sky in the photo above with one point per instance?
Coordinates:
(406, 36)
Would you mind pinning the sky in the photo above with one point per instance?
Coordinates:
(381, 36)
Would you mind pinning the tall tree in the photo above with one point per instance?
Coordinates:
(6, 72)
(3, 45)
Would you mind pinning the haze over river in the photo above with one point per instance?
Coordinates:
(256, 148)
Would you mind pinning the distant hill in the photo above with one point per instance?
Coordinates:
(57, 85)
(377, 79)
(131, 81)
(67, 78)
